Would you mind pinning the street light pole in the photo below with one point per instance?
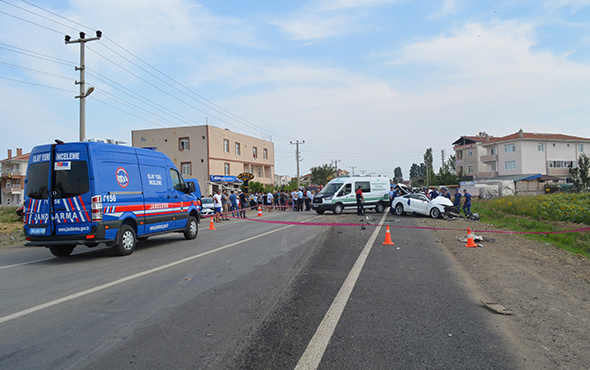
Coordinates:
(83, 93)
(298, 158)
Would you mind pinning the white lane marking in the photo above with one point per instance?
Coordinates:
(25, 263)
(310, 360)
(128, 278)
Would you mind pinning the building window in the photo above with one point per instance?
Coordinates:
(493, 150)
(183, 143)
(510, 165)
(185, 168)
(470, 153)
(226, 145)
(265, 153)
(563, 164)
(581, 148)
(237, 148)
(469, 169)
(226, 168)
(494, 167)
(510, 148)
(255, 152)
(541, 147)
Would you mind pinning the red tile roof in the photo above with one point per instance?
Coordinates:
(537, 136)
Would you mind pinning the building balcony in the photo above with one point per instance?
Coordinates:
(489, 158)
(558, 171)
(16, 189)
(11, 175)
(485, 175)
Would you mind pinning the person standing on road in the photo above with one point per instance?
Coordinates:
(457, 200)
(308, 198)
(269, 201)
(224, 205)
(300, 201)
(233, 198)
(217, 205)
(243, 205)
(360, 199)
(467, 203)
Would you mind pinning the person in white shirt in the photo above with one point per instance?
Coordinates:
(217, 205)
(269, 199)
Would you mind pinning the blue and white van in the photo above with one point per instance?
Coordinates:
(87, 193)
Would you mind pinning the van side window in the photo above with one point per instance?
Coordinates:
(365, 186)
(347, 189)
(177, 180)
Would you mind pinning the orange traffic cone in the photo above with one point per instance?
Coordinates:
(259, 211)
(211, 226)
(387, 237)
(470, 242)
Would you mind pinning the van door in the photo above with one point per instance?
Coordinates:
(70, 190)
(180, 200)
(37, 210)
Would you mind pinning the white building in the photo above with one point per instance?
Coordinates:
(12, 178)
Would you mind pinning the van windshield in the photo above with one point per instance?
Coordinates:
(331, 188)
(37, 181)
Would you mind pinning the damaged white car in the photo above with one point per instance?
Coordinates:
(420, 204)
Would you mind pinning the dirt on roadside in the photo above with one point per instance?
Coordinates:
(11, 234)
(546, 288)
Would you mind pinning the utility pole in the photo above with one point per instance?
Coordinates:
(297, 158)
(83, 93)
(336, 164)
(353, 167)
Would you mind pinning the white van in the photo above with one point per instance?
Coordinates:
(339, 194)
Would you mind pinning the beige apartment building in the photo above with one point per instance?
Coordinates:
(212, 155)
(12, 178)
(519, 154)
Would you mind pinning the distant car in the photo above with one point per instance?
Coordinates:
(207, 204)
(420, 204)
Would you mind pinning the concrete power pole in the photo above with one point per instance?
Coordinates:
(83, 93)
(296, 143)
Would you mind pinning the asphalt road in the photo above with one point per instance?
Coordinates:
(249, 295)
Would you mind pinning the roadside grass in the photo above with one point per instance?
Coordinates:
(11, 226)
(542, 214)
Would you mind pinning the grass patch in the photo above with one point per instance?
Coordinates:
(543, 214)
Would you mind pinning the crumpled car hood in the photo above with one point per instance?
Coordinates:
(442, 201)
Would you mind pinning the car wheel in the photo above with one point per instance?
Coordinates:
(399, 209)
(192, 228)
(61, 250)
(435, 213)
(338, 208)
(320, 212)
(126, 241)
(379, 208)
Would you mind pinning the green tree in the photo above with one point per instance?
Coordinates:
(255, 187)
(428, 165)
(397, 175)
(322, 174)
(581, 173)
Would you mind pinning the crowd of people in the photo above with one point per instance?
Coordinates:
(236, 202)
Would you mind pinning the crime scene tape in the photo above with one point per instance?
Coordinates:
(396, 226)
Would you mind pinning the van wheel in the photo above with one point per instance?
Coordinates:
(320, 212)
(61, 250)
(126, 242)
(399, 209)
(192, 228)
(338, 208)
(435, 213)
(379, 208)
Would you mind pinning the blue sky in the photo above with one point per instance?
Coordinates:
(371, 83)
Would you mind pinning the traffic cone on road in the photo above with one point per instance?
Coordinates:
(470, 242)
(387, 237)
(211, 226)
(259, 211)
